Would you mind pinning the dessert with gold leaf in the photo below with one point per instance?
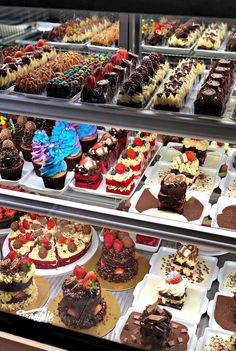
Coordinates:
(17, 285)
(174, 90)
(198, 146)
(188, 165)
(185, 259)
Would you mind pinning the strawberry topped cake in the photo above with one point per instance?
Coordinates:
(149, 137)
(82, 305)
(120, 179)
(88, 173)
(117, 262)
(188, 165)
(7, 215)
(99, 152)
(140, 145)
(198, 146)
(49, 242)
(132, 159)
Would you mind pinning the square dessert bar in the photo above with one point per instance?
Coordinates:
(120, 180)
(185, 259)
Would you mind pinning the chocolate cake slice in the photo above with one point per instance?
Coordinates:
(185, 259)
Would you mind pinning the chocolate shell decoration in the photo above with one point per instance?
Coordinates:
(172, 179)
(208, 92)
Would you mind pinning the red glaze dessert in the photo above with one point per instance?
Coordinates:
(140, 145)
(82, 305)
(120, 180)
(7, 216)
(121, 136)
(117, 262)
(132, 159)
(88, 173)
(99, 152)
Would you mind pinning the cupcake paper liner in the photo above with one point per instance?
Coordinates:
(56, 183)
(12, 173)
(72, 161)
(87, 144)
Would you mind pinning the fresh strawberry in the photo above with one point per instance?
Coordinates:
(173, 278)
(41, 42)
(91, 276)
(138, 142)
(25, 224)
(29, 237)
(22, 229)
(130, 153)
(89, 285)
(61, 239)
(51, 224)
(120, 168)
(29, 48)
(19, 54)
(117, 246)
(12, 255)
(119, 270)
(32, 215)
(79, 272)
(10, 213)
(7, 59)
(90, 83)
(23, 238)
(108, 239)
(25, 264)
(1, 215)
(72, 312)
(102, 263)
(190, 155)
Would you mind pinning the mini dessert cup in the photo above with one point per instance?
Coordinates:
(12, 173)
(56, 182)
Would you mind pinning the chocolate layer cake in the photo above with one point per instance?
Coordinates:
(185, 259)
(117, 262)
(213, 95)
(225, 312)
(198, 146)
(82, 305)
(172, 193)
(154, 330)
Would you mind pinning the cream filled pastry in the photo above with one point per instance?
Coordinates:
(188, 165)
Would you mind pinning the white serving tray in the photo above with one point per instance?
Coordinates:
(224, 272)
(191, 327)
(27, 168)
(64, 269)
(208, 251)
(139, 246)
(101, 190)
(102, 47)
(211, 263)
(211, 310)
(154, 212)
(224, 184)
(194, 307)
(165, 49)
(208, 333)
(34, 183)
(153, 180)
(207, 163)
(218, 208)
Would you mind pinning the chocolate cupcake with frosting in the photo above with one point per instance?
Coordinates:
(26, 145)
(19, 130)
(4, 135)
(11, 164)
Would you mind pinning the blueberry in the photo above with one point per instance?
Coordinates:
(127, 169)
(113, 172)
(133, 145)
(141, 134)
(144, 141)
(136, 153)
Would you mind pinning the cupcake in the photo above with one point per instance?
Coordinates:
(4, 135)
(57, 129)
(26, 145)
(11, 164)
(40, 145)
(54, 169)
(69, 144)
(87, 135)
(19, 130)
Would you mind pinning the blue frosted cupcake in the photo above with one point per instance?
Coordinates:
(40, 146)
(54, 169)
(87, 136)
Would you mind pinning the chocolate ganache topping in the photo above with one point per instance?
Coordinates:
(9, 156)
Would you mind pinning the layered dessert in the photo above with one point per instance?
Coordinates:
(88, 173)
(149, 137)
(133, 159)
(49, 242)
(213, 95)
(231, 42)
(188, 165)
(153, 329)
(212, 37)
(117, 262)
(140, 145)
(185, 260)
(120, 180)
(172, 94)
(225, 312)
(198, 146)
(186, 34)
(172, 193)
(82, 305)
(107, 37)
(99, 153)
(17, 286)
(137, 90)
(121, 136)
(172, 290)
(156, 32)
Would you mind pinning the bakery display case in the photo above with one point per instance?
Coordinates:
(117, 176)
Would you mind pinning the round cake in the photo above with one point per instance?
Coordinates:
(82, 305)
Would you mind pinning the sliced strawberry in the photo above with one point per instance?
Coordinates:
(61, 239)
(10, 213)
(138, 142)
(25, 224)
(23, 238)
(25, 264)
(41, 42)
(173, 278)
(29, 48)
(7, 59)
(120, 168)
(99, 73)
(130, 153)
(91, 276)
(19, 54)
(102, 263)
(79, 272)
(12, 255)
(22, 229)
(108, 239)
(123, 53)
(51, 224)
(29, 237)
(119, 271)
(72, 312)
(32, 215)
(190, 155)
(117, 246)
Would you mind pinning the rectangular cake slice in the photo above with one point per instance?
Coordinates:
(185, 259)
